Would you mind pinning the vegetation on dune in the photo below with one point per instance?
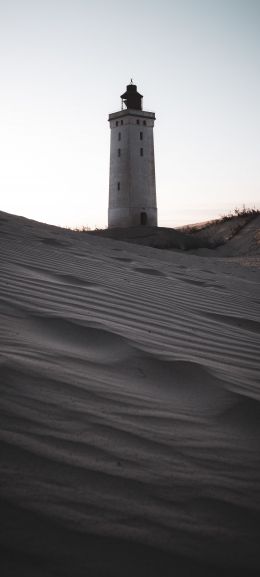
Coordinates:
(86, 228)
(246, 213)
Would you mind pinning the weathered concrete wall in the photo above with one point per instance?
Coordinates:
(132, 188)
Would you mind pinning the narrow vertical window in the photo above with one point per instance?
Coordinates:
(122, 122)
(141, 151)
(119, 136)
(138, 121)
(144, 122)
(143, 218)
(118, 186)
(116, 122)
(141, 136)
(119, 152)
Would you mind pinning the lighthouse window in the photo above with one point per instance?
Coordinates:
(143, 218)
(118, 186)
(116, 122)
(119, 136)
(138, 121)
(141, 151)
(144, 122)
(119, 152)
(141, 136)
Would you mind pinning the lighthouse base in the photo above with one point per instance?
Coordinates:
(135, 216)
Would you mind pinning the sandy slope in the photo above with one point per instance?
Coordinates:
(129, 408)
(238, 237)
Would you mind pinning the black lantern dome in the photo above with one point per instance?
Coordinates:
(131, 98)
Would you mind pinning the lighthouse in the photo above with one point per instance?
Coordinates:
(132, 191)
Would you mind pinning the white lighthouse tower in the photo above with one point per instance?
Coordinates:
(132, 192)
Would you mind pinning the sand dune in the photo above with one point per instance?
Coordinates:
(129, 408)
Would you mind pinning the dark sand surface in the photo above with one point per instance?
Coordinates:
(130, 408)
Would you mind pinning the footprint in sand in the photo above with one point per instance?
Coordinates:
(150, 271)
(122, 259)
(216, 287)
(53, 242)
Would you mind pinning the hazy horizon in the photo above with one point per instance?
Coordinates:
(64, 65)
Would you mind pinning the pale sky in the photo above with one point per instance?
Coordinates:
(63, 66)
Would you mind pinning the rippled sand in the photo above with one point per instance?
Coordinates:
(130, 415)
